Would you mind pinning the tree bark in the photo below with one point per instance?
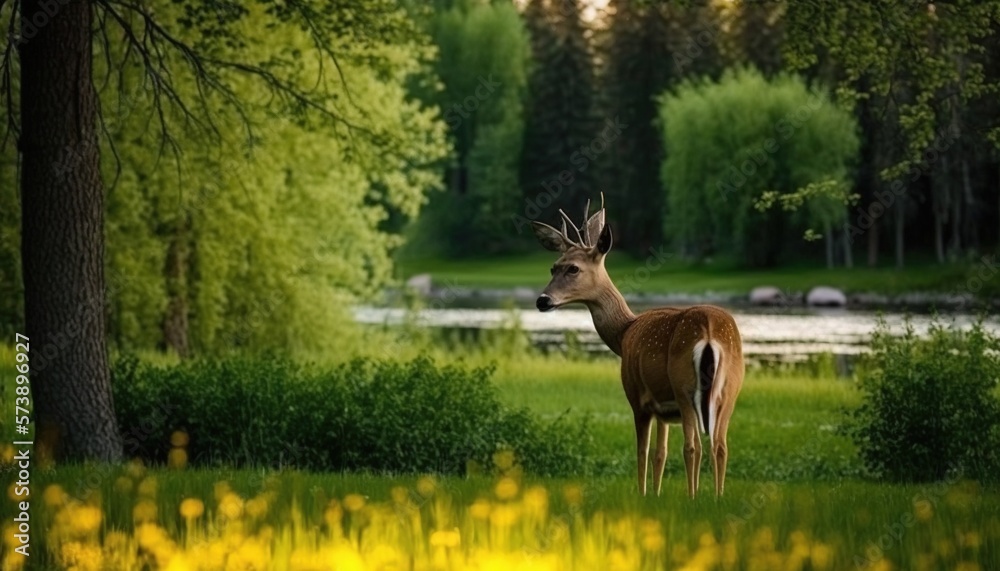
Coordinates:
(873, 244)
(175, 322)
(828, 233)
(62, 248)
(900, 234)
(848, 254)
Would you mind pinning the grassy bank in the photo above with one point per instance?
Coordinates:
(795, 499)
(784, 426)
(217, 519)
(676, 276)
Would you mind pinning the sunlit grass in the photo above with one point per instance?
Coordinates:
(531, 270)
(135, 518)
(794, 500)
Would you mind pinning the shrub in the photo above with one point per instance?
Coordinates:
(929, 405)
(727, 143)
(365, 415)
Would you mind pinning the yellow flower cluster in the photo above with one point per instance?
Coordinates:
(510, 526)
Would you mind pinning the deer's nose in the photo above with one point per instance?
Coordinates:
(544, 303)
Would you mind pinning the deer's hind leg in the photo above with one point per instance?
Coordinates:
(643, 422)
(660, 459)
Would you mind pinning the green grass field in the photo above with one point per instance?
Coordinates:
(795, 499)
(676, 276)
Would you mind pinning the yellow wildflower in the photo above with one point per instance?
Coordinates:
(573, 493)
(504, 515)
(924, 510)
(480, 509)
(354, 502)
(123, 485)
(192, 508)
(221, 489)
(231, 506)
(443, 538)
(144, 512)
(7, 454)
(536, 501)
(399, 495)
(54, 496)
(135, 469)
(179, 439)
(18, 493)
(147, 487)
(503, 460)
(426, 486)
(821, 556)
(177, 458)
(506, 489)
(256, 507)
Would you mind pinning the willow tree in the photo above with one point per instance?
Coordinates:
(742, 140)
(50, 92)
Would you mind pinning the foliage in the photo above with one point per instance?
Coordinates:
(482, 65)
(363, 415)
(920, 55)
(730, 142)
(222, 518)
(561, 125)
(650, 47)
(923, 79)
(929, 406)
(255, 228)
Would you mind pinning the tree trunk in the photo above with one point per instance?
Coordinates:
(940, 209)
(955, 242)
(175, 322)
(62, 248)
(900, 219)
(848, 254)
(873, 243)
(828, 232)
(972, 226)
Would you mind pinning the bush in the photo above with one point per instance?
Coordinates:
(365, 415)
(929, 405)
(728, 143)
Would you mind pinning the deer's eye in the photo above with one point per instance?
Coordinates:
(573, 270)
(552, 270)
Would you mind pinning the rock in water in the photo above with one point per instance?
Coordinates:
(766, 295)
(824, 296)
(420, 283)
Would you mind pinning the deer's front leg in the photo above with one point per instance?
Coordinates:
(642, 424)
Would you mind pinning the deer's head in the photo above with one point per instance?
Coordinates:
(578, 275)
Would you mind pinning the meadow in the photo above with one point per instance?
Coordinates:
(796, 498)
(675, 275)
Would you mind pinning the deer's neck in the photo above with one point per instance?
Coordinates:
(611, 315)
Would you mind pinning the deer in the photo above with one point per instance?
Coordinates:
(678, 365)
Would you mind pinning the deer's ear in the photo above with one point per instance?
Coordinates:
(549, 237)
(594, 227)
(604, 242)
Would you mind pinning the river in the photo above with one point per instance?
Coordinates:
(768, 333)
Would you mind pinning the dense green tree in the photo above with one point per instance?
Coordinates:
(755, 35)
(483, 62)
(649, 47)
(233, 238)
(917, 72)
(562, 135)
(743, 140)
(636, 47)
